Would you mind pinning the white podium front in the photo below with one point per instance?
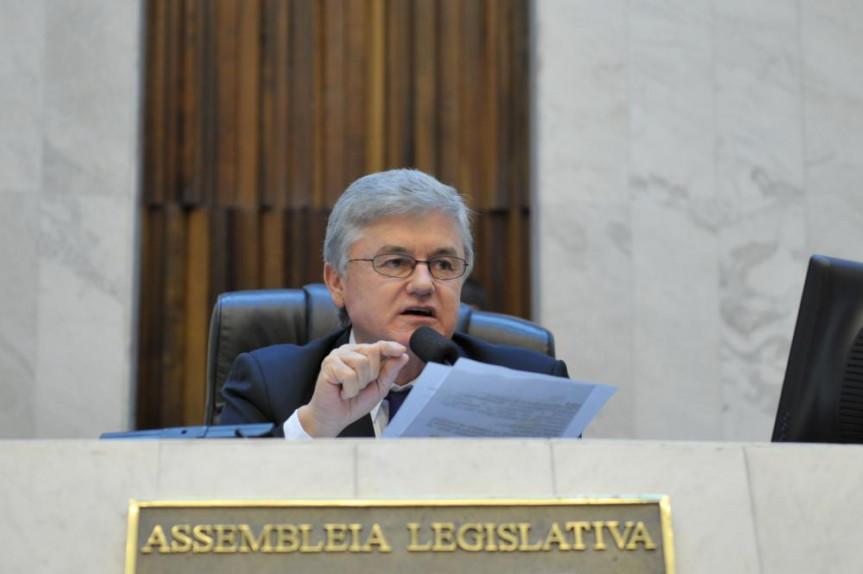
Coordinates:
(736, 508)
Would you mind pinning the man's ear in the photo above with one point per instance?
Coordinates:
(335, 284)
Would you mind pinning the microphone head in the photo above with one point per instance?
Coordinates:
(432, 347)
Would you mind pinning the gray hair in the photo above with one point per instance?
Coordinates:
(387, 193)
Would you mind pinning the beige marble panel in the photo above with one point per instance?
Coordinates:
(85, 305)
(92, 102)
(761, 280)
(19, 261)
(672, 130)
(588, 306)
(738, 141)
(760, 176)
(440, 468)
(582, 228)
(711, 515)
(63, 503)
(833, 104)
(257, 469)
(758, 101)
(582, 119)
(807, 504)
(22, 54)
(69, 91)
(675, 218)
(676, 317)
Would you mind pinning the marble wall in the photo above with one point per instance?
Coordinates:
(69, 152)
(689, 156)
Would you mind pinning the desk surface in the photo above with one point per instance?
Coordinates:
(741, 508)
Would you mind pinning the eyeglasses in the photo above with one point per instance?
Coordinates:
(443, 267)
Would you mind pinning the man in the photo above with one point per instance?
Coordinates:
(397, 251)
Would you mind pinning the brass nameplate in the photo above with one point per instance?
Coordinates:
(589, 535)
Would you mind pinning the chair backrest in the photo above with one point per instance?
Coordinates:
(243, 321)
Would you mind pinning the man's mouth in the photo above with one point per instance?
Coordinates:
(419, 311)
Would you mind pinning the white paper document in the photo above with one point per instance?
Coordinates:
(472, 399)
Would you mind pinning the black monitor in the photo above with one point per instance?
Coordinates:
(822, 396)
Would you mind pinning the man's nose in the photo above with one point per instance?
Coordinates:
(421, 280)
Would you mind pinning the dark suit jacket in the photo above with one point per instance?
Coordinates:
(269, 384)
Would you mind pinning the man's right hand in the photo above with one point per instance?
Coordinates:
(352, 380)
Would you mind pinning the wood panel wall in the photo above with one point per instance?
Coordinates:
(260, 112)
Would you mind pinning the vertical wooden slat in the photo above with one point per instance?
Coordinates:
(489, 257)
(226, 19)
(244, 244)
(334, 123)
(399, 120)
(497, 229)
(356, 89)
(318, 63)
(268, 103)
(297, 233)
(503, 88)
(302, 84)
(515, 255)
(272, 249)
(220, 250)
(377, 118)
(519, 130)
(191, 111)
(450, 120)
(155, 102)
(316, 225)
(524, 270)
(490, 182)
(425, 85)
(173, 328)
(197, 315)
(478, 272)
(520, 103)
(508, 196)
(171, 149)
(274, 105)
(470, 110)
(209, 104)
(150, 319)
(248, 74)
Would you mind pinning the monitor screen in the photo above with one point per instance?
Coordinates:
(822, 396)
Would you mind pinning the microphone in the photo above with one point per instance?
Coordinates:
(432, 347)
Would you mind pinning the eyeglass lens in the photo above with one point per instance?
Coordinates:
(397, 265)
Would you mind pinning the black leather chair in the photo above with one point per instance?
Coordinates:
(243, 321)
